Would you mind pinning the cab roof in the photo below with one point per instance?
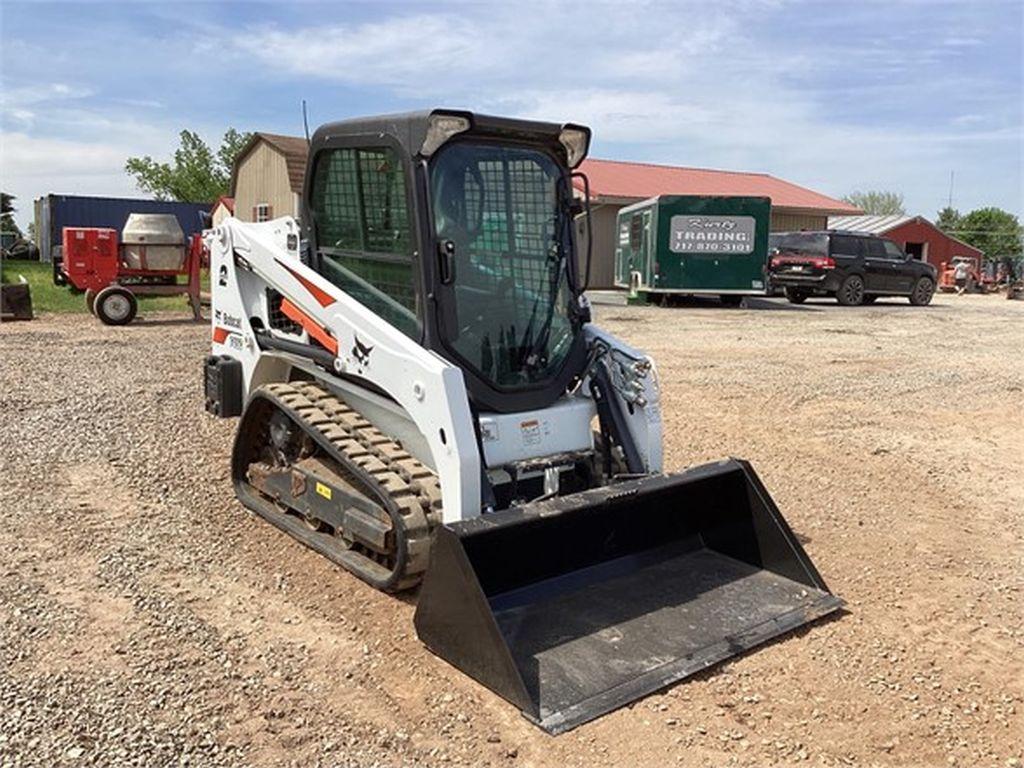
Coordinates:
(409, 129)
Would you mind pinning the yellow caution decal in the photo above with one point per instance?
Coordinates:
(324, 490)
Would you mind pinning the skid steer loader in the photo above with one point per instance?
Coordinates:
(424, 398)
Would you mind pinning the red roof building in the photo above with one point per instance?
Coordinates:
(615, 184)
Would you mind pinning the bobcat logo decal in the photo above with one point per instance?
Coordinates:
(361, 352)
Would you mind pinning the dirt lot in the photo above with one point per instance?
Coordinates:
(146, 619)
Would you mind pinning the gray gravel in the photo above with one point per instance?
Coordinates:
(147, 619)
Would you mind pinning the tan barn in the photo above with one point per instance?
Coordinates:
(266, 181)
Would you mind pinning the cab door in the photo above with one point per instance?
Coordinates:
(633, 253)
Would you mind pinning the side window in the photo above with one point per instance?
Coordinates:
(874, 248)
(363, 232)
(636, 231)
(846, 245)
(893, 251)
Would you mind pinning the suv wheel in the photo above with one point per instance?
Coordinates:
(851, 292)
(923, 291)
(796, 296)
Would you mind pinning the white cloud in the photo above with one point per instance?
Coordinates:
(29, 157)
(693, 83)
(33, 165)
(399, 53)
(741, 85)
(21, 106)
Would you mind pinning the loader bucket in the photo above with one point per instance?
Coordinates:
(572, 607)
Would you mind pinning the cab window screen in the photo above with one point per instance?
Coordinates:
(504, 212)
(364, 239)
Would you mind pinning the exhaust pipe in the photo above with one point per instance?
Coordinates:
(574, 606)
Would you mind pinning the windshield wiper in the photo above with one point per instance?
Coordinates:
(544, 336)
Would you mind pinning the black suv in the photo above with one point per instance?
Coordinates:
(854, 267)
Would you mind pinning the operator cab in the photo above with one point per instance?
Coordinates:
(458, 230)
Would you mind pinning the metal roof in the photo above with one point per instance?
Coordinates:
(876, 225)
(629, 182)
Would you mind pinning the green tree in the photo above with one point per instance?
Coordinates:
(948, 220)
(992, 230)
(196, 174)
(7, 211)
(877, 202)
(230, 147)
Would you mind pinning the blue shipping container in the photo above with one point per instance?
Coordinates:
(54, 212)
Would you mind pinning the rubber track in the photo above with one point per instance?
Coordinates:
(406, 482)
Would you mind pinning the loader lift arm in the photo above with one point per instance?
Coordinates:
(427, 387)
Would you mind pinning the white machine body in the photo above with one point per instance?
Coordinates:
(426, 405)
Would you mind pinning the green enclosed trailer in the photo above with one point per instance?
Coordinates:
(689, 244)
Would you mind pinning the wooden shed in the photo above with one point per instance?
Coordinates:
(266, 181)
(224, 207)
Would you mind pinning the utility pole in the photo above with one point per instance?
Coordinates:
(949, 203)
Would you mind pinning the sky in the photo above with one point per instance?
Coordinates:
(835, 96)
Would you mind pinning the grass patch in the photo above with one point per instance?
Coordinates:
(47, 297)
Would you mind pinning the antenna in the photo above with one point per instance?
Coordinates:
(950, 202)
(305, 122)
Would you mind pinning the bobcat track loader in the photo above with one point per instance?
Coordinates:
(424, 398)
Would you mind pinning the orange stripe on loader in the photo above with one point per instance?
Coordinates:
(310, 326)
(323, 298)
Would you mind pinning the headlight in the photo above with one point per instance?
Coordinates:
(576, 141)
(441, 128)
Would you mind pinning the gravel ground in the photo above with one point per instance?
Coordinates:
(146, 619)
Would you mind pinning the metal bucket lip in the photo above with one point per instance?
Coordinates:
(593, 497)
(727, 648)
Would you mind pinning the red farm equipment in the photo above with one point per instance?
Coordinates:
(148, 259)
(947, 275)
